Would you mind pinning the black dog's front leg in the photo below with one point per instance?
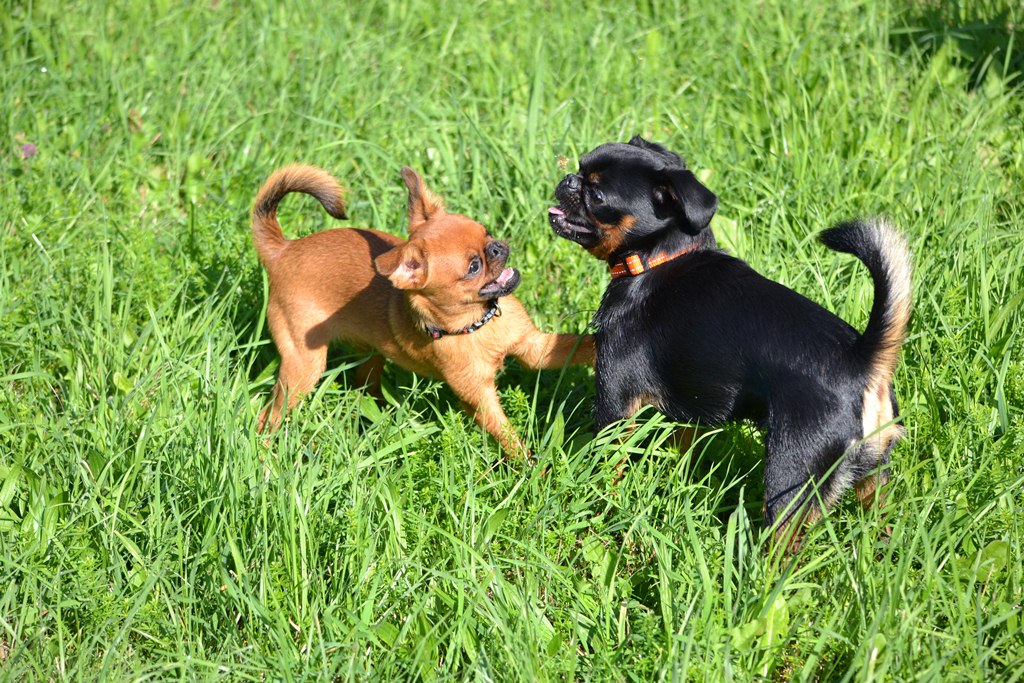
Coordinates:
(615, 396)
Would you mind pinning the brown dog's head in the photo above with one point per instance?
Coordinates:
(449, 258)
(628, 197)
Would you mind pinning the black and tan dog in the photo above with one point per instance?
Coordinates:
(439, 304)
(701, 336)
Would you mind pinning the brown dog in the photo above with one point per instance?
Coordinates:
(431, 304)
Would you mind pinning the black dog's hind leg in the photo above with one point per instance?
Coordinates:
(870, 488)
(804, 472)
(789, 498)
(813, 452)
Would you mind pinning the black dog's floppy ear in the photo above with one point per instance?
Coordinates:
(695, 203)
(638, 141)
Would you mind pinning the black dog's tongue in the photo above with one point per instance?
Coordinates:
(556, 211)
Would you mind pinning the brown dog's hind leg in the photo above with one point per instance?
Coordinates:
(300, 371)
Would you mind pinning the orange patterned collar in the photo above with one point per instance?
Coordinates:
(633, 264)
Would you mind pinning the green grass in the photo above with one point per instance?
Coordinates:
(146, 531)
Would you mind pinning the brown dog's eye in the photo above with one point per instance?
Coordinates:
(474, 267)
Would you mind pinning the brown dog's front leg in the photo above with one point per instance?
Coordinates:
(481, 401)
(368, 374)
(540, 351)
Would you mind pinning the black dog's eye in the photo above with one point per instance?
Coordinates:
(474, 267)
(660, 195)
(596, 195)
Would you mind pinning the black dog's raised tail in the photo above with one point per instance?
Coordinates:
(884, 251)
(266, 231)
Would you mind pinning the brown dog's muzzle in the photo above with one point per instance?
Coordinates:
(507, 280)
(497, 253)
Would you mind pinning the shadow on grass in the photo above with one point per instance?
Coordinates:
(983, 37)
(734, 460)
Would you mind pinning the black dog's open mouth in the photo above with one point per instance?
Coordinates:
(570, 228)
(503, 285)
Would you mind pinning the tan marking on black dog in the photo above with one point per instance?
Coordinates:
(895, 255)
(867, 487)
(879, 434)
(877, 419)
(613, 235)
(644, 399)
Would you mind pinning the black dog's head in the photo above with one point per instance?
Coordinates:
(632, 197)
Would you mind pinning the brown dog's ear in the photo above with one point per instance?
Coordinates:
(404, 265)
(423, 204)
(694, 203)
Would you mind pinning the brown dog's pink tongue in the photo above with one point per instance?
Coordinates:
(505, 276)
(556, 211)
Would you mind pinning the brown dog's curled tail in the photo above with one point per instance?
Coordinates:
(266, 231)
(884, 251)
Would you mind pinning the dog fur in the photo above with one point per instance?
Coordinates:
(384, 295)
(705, 339)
